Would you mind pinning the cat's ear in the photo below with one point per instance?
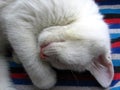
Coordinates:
(102, 70)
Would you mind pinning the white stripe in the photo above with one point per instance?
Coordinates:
(115, 56)
(114, 31)
(110, 7)
(117, 85)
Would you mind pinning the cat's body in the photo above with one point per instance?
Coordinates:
(72, 32)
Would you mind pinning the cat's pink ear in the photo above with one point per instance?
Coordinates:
(102, 70)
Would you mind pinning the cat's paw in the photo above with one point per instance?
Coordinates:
(44, 77)
(46, 82)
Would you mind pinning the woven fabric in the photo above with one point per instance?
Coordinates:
(111, 11)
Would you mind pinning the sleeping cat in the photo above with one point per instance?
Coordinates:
(65, 34)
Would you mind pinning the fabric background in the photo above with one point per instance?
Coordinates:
(82, 81)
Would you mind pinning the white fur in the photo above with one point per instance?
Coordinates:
(77, 36)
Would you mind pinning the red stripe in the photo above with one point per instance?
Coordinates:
(117, 76)
(25, 76)
(116, 44)
(71, 77)
(111, 21)
(19, 75)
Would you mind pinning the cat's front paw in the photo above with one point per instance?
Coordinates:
(43, 78)
(45, 83)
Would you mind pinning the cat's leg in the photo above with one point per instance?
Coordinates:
(25, 46)
(5, 82)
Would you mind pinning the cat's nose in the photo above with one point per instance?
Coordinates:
(42, 55)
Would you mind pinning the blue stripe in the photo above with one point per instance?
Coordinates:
(114, 36)
(114, 26)
(116, 62)
(109, 2)
(22, 81)
(64, 83)
(114, 82)
(116, 88)
(110, 11)
(116, 50)
(13, 64)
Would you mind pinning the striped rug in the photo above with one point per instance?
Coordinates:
(111, 11)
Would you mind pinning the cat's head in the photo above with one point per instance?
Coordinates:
(67, 50)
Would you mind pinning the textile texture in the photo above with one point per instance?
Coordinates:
(79, 81)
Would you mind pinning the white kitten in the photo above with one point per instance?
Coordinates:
(70, 33)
